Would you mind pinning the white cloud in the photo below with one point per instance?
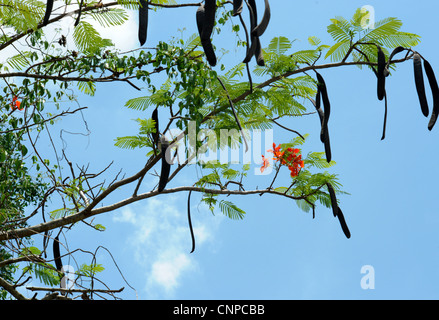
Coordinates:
(166, 272)
(161, 241)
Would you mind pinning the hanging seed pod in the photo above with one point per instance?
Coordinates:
(326, 104)
(209, 19)
(324, 135)
(419, 82)
(57, 254)
(166, 166)
(190, 220)
(237, 7)
(380, 74)
(200, 19)
(49, 7)
(156, 134)
(205, 42)
(333, 197)
(143, 21)
(435, 92)
(258, 54)
(343, 224)
(385, 116)
(262, 26)
(251, 51)
(79, 14)
(327, 145)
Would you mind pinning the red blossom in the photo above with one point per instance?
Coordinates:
(16, 104)
(291, 157)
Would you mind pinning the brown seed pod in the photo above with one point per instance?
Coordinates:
(143, 21)
(190, 220)
(258, 54)
(343, 224)
(419, 82)
(206, 43)
(380, 74)
(166, 166)
(156, 134)
(57, 254)
(253, 43)
(324, 135)
(209, 19)
(237, 7)
(333, 197)
(79, 14)
(326, 104)
(385, 116)
(435, 92)
(262, 26)
(49, 7)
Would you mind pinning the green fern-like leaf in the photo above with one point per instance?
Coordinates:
(279, 45)
(111, 17)
(132, 142)
(87, 39)
(231, 210)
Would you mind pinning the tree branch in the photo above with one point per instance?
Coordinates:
(88, 212)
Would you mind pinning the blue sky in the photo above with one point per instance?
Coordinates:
(278, 251)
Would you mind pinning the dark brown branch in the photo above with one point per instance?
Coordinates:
(89, 212)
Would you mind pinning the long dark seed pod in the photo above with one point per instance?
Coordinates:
(49, 7)
(262, 26)
(57, 254)
(435, 92)
(419, 82)
(333, 199)
(250, 80)
(326, 104)
(394, 52)
(258, 54)
(343, 224)
(324, 135)
(381, 84)
(209, 19)
(327, 145)
(79, 14)
(251, 51)
(155, 136)
(190, 220)
(385, 116)
(143, 21)
(166, 166)
(237, 7)
(206, 43)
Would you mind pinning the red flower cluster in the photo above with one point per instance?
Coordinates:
(16, 104)
(290, 157)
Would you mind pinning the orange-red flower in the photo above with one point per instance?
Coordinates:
(16, 104)
(291, 157)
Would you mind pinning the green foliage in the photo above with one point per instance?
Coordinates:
(45, 273)
(348, 33)
(21, 15)
(87, 39)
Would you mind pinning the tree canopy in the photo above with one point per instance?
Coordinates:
(41, 76)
